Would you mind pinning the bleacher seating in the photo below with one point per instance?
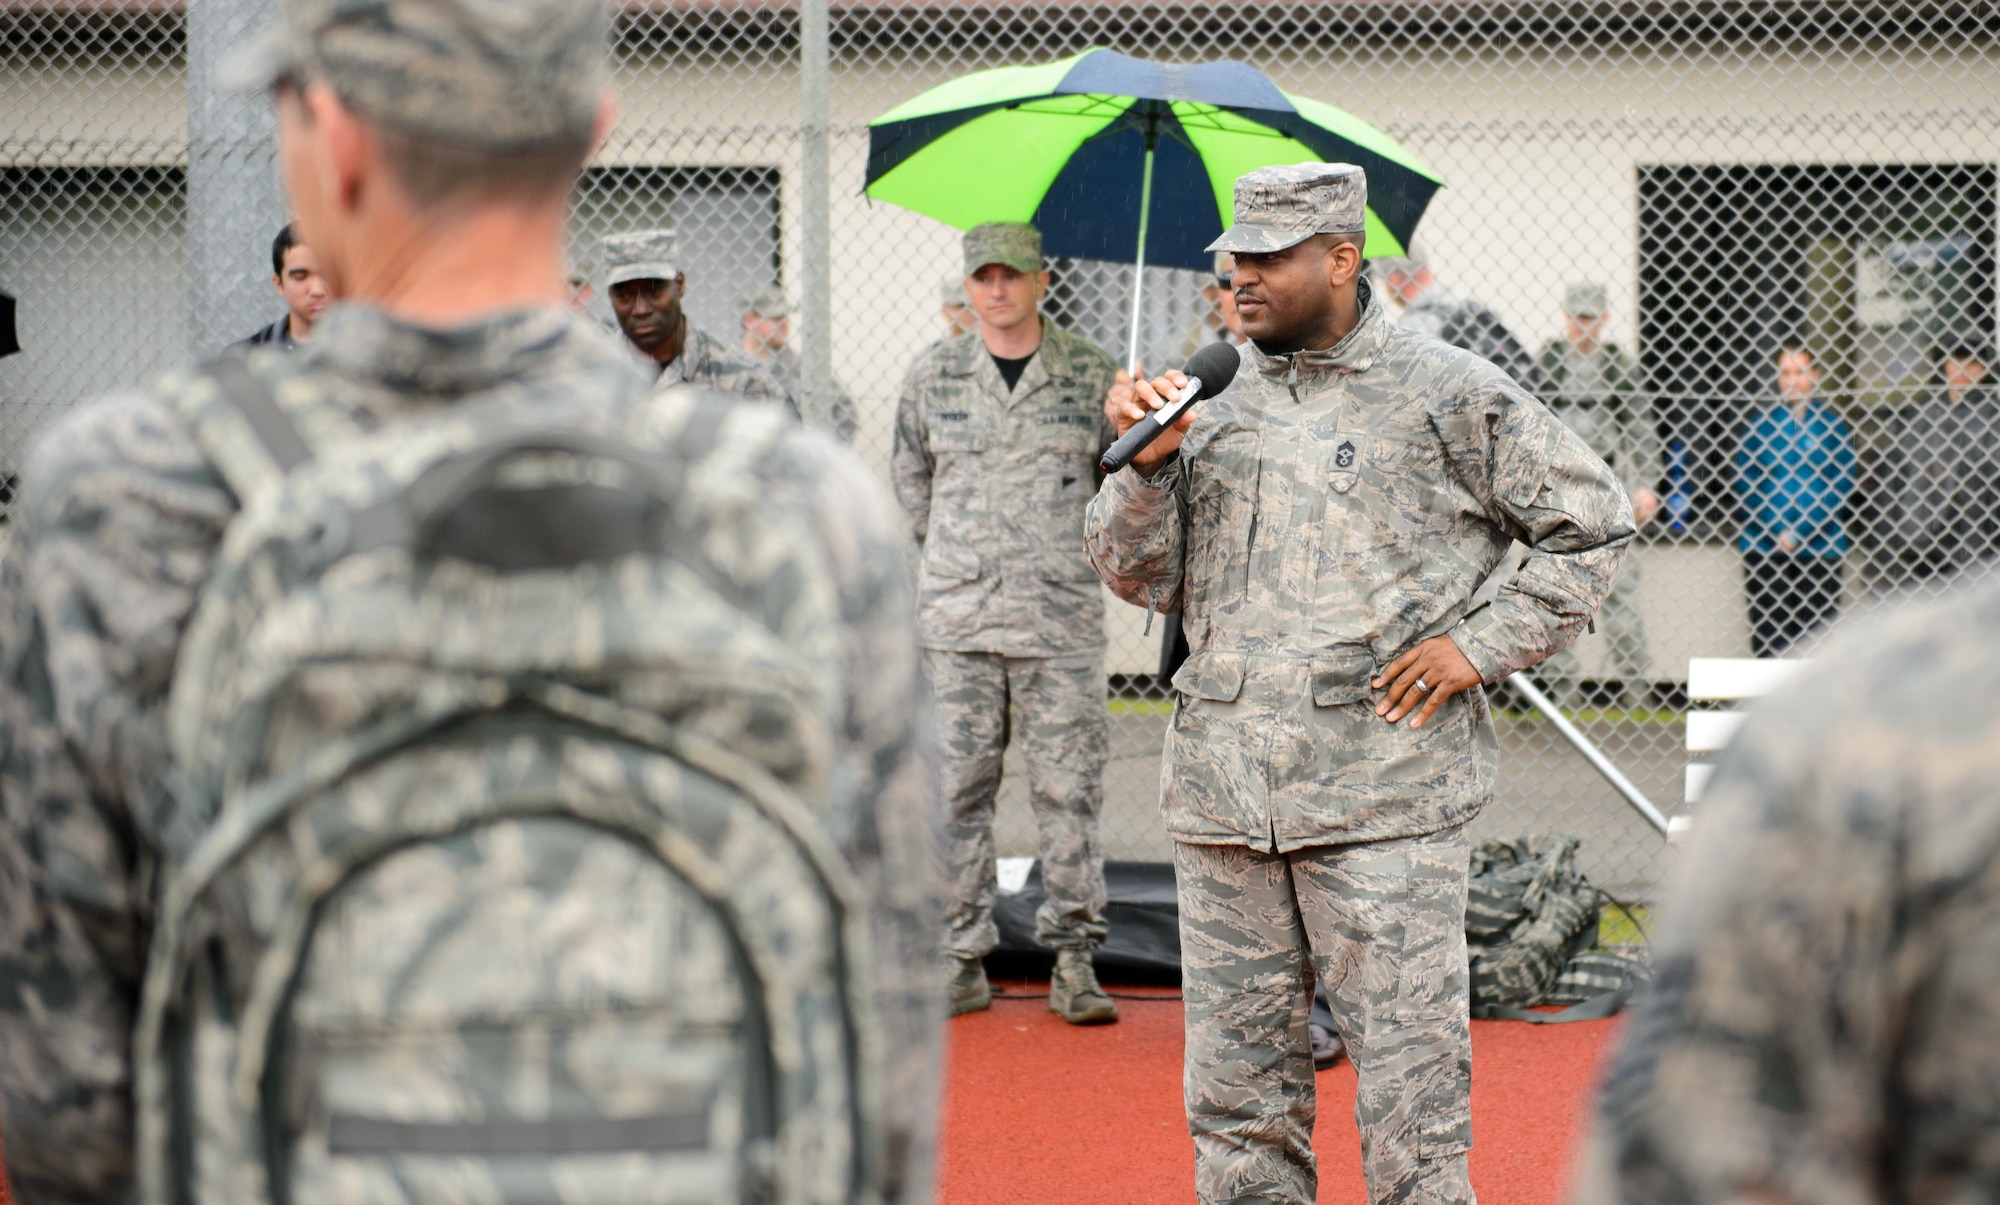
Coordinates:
(1720, 686)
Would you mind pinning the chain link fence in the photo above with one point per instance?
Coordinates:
(1733, 178)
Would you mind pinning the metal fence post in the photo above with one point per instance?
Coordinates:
(815, 190)
(234, 201)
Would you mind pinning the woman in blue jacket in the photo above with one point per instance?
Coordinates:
(1794, 470)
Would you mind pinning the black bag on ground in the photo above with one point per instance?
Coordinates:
(1531, 936)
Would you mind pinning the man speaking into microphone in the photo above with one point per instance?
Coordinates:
(1323, 525)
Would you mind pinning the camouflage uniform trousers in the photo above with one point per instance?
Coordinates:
(1630, 661)
(1383, 924)
(1056, 706)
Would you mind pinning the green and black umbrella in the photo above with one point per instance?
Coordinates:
(1121, 159)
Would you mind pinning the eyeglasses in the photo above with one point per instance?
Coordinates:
(1223, 279)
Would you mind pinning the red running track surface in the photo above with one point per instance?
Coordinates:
(1042, 1113)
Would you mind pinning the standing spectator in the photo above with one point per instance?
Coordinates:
(581, 291)
(1431, 309)
(767, 340)
(1589, 383)
(998, 433)
(1794, 470)
(1219, 323)
(295, 274)
(959, 317)
(647, 288)
(1941, 483)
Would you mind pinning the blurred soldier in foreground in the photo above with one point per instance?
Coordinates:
(1590, 384)
(546, 1004)
(295, 274)
(647, 288)
(1431, 309)
(1941, 505)
(767, 340)
(959, 318)
(998, 433)
(1820, 1025)
(1322, 526)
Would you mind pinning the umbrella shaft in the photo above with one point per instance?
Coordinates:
(1139, 261)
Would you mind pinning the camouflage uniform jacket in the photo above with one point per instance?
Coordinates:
(995, 484)
(1820, 1023)
(709, 363)
(1325, 513)
(1597, 396)
(121, 517)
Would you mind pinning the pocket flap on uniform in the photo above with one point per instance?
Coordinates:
(1341, 675)
(950, 563)
(1217, 677)
(1447, 1133)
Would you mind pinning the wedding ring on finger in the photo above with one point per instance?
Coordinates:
(1423, 688)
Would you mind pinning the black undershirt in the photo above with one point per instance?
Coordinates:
(1011, 370)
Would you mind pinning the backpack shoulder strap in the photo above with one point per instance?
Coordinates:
(259, 410)
(233, 412)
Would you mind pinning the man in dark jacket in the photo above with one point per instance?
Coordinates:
(1941, 482)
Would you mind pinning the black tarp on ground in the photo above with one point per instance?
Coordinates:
(1142, 914)
(1144, 943)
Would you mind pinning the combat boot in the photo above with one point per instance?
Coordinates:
(1073, 992)
(969, 990)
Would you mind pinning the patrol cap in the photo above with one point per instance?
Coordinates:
(1280, 207)
(1586, 301)
(512, 76)
(952, 293)
(766, 303)
(639, 255)
(1015, 244)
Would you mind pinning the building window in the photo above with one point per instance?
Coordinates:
(95, 261)
(1879, 269)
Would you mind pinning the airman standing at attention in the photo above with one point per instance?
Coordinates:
(998, 434)
(767, 341)
(647, 286)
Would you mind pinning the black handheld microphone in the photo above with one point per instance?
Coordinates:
(1209, 372)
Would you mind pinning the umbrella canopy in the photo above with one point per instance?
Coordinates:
(1065, 145)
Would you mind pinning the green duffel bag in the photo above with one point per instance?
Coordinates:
(1531, 922)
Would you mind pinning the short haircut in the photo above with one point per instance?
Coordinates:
(1796, 346)
(433, 173)
(1965, 350)
(285, 241)
(1327, 240)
